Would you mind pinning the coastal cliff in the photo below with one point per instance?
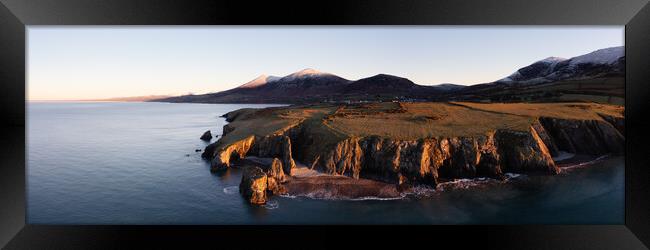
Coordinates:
(418, 143)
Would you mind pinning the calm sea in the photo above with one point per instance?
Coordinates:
(135, 163)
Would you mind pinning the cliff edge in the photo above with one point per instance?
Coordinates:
(417, 143)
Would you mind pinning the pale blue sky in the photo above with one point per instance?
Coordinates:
(88, 62)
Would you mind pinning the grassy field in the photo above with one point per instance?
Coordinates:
(268, 121)
(582, 111)
(406, 121)
(410, 121)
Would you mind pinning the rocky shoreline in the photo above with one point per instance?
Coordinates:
(357, 165)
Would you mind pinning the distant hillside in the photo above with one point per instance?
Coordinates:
(131, 99)
(310, 85)
(600, 63)
(597, 76)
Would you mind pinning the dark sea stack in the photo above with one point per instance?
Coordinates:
(253, 185)
(207, 136)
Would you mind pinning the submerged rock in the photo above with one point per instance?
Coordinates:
(207, 136)
(253, 185)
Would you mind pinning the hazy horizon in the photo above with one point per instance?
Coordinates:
(91, 62)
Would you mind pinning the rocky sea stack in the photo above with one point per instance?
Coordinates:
(207, 136)
(404, 144)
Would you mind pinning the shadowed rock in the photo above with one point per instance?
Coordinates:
(275, 177)
(592, 137)
(207, 136)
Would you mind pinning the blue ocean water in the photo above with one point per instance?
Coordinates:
(135, 163)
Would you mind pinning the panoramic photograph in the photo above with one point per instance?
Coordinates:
(231, 125)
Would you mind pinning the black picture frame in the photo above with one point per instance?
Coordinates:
(16, 14)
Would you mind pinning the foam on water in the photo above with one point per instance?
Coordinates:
(271, 204)
(512, 176)
(288, 196)
(327, 196)
(585, 164)
(467, 183)
(231, 190)
(375, 198)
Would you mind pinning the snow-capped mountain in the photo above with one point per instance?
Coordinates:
(599, 73)
(594, 64)
(309, 80)
(305, 73)
(259, 81)
(601, 56)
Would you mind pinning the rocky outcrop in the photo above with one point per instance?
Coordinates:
(275, 177)
(427, 160)
(546, 138)
(227, 129)
(524, 152)
(207, 136)
(259, 181)
(221, 158)
(592, 137)
(253, 185)
(272, 146)
(617, 122)
(232, 115)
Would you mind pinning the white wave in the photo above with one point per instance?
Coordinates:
(585, 164)
(288, 196)
(415, 191)
(512, 176)
(461, 183)
(327, 196)
(231, 190)
(271, 205)
(375, 198)
(466, 183)
(420, 190)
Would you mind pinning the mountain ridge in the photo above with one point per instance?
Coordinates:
(311, 85)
